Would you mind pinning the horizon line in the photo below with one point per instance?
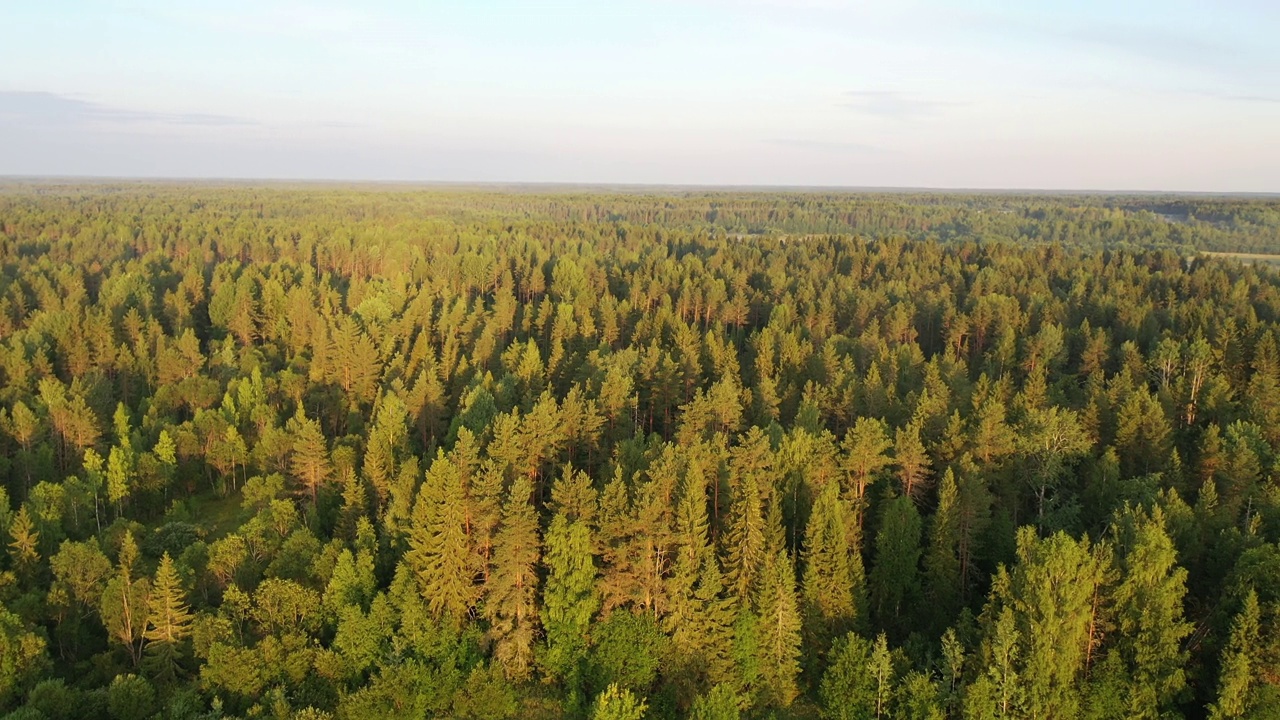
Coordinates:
(748, 188)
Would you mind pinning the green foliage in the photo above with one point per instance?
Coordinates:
(129, 697)
(894, 581)
(22, 657)
(627, 650)
(570, 599)
(661, 432)
(1237, 679)
(617, 703)
(721, 703)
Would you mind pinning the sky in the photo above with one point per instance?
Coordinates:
(1174, 95)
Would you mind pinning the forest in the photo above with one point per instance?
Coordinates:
(358, 452)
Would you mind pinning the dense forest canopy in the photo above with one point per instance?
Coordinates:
(322, 452)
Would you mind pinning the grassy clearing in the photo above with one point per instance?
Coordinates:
(1266, 258)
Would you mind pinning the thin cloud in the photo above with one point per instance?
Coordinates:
(827, 146)
(1252, 99)
(1161, 46)
(46, 108)
(892, 104)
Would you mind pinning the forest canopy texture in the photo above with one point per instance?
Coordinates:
(356, 453)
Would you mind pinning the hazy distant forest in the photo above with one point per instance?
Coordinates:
(361, 453)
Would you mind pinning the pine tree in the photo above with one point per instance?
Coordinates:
(650, 544)
(972, 517)
(615, 528)
(779, 629)
(866, 447)
(169, 620)
(511, 591)
(992, 438)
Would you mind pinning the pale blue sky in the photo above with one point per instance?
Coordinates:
(1125, 94)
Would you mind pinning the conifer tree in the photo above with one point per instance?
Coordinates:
(880, 668)
(1238, 675)
(999, 692)
(1051, 593)
(779, 629)
(168, 622)
(866, 447)
(511, 591)
(833, 584)
(912, 460)
(942, 575)
(1148, 616)
(24, 542)
(310, 458)
(848, 689)
(613, 532)
(617, 703)
(894, 581)
(439, 554)
(570, 599)
(746, 540)
(699, 618)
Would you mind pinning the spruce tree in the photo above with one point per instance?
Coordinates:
(833, 575)
(699, 618)
(942, 576)
(1051, 593)
(511, 591)
(1237, 675)
(169, 621)
(779, 630)
(746, 540)
(570, 600)
(439, 554)
(894, 580)
(848, 689)
(1148, 616)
